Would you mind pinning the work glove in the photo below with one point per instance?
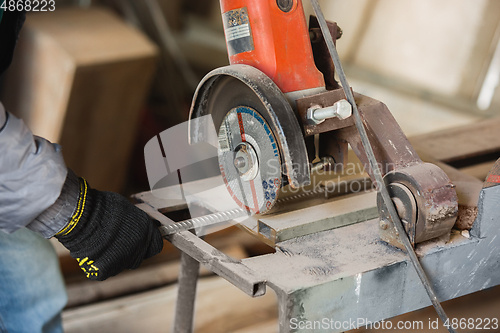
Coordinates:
(107, 234)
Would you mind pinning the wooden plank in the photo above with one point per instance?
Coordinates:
(479, 171)
(81, 81)
(220, 307)
(460, 142)
(270, 326)
(335, 214)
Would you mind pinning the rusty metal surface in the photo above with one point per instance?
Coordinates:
(431, 187)
(465, 217)
(324, 99)
(436, 200)
(493, 178)
(406, 207)
(236, 85)
(322, 59)
(468, 189)
(330, 145)
(390, 145)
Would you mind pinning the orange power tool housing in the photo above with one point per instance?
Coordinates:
(272, 35)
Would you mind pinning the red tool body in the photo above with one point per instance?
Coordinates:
(260, 34)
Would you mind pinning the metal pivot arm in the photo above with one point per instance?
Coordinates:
(374, 166)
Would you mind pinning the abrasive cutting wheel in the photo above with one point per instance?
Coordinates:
(249, 159)
(260, 141)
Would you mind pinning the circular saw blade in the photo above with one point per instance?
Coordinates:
(249, 160)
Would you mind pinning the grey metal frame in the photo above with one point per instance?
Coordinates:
(348, 273)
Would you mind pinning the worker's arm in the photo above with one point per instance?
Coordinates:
(32, 174)
(102, 230)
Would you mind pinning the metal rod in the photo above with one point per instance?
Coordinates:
(229, 215)
(186, 294)
(221, 264)
(374, 166)
(203, 221)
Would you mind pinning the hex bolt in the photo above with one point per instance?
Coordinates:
(341, 109)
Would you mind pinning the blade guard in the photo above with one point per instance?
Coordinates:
(257, 87)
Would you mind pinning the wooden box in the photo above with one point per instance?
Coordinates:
(79, 78)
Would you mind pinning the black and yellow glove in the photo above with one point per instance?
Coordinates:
(107, 234)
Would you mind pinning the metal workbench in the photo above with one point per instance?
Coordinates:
(346, 276)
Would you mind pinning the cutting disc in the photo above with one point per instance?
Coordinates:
(249, 159)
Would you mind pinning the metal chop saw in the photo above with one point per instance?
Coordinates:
(279, 91)
(277, 108)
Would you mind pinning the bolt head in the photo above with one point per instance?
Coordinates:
(240, 162)
(344, 109)
(310, 115)
(246, 161)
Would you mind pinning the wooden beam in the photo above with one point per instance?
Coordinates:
(80, 80)
(220, 307)
(462, 142)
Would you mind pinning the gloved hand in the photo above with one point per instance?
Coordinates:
(108, 234)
